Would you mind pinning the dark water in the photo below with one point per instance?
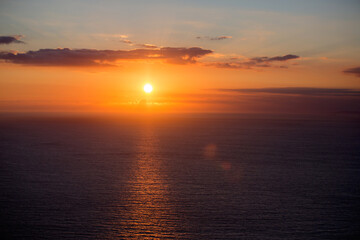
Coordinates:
(183, 177)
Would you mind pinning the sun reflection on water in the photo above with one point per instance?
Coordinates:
(149, 210)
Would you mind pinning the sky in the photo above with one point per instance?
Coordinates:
(199, 56)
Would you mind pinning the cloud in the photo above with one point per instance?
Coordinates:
(272, 59)
(124, 39)
(355, 71)
(304, 91)
(214, 38)
(271, 100)
(10, 39)
(127, 41)
(253, 62)
(104, 35)
(230, 65)
(147, 45)
(93, 57)
(220, 38)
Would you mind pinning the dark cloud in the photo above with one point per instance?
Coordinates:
(272, 59)
(355, 71)
(214, 38)
(298, 91)
(10, 39)
(92, 57)
(220, 38)
(254, 62)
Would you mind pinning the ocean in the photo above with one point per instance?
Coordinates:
(204, 176)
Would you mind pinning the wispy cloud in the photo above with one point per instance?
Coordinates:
(253, 62)
(355, 71)
(10, 39)
(273, 100)
(124, 39)
(272, 59)
(127, 41)
(305, 91)
(93, 57)
(147, 45)
(214, 38)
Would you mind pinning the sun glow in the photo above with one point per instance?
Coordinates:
(148, 88)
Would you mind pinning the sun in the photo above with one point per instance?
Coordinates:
(148, 88)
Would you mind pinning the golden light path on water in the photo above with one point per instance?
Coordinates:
(150, 213)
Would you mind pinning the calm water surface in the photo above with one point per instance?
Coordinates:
(179, 177)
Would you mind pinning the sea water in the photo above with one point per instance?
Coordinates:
(179, 177)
